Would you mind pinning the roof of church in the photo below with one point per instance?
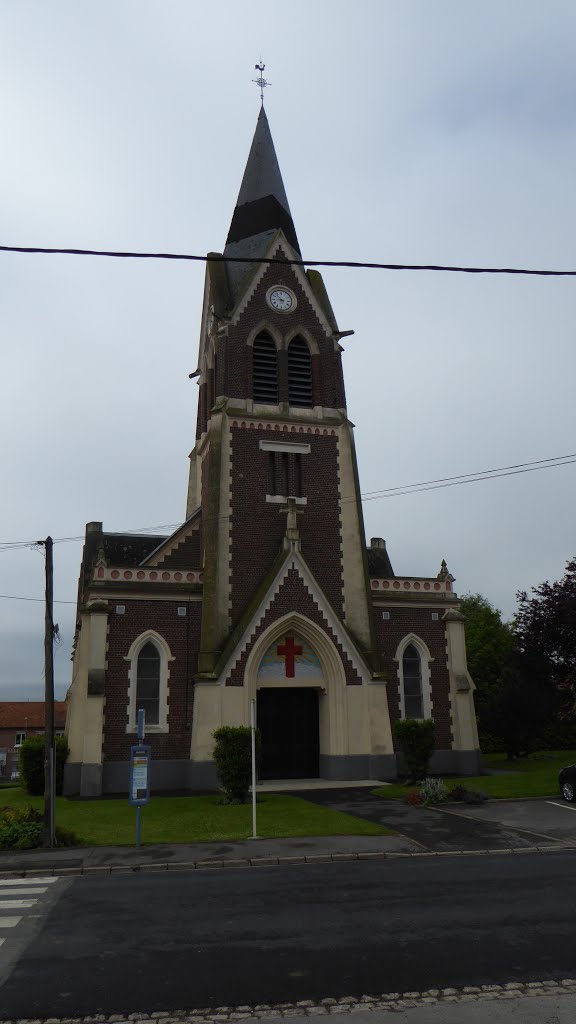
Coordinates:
(262, 205)
(129, 548)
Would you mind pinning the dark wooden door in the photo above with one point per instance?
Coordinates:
(288, 722)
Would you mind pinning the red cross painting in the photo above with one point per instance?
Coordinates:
(288, 650)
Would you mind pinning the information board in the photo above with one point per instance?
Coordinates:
(139, 774)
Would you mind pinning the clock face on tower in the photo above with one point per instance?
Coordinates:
(281, 299)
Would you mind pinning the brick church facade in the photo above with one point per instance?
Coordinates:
(268, 589)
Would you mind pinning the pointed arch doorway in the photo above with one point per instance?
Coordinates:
(289, 685)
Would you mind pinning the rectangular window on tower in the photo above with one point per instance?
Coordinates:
(271, 472)
(297, 476)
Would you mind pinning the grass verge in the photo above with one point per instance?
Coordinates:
(536, 775)
(192, 819)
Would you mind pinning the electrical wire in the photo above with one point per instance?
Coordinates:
(390, 492)
(353, 264)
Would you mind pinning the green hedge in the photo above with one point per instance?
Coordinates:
(32, 764)
(233, 757)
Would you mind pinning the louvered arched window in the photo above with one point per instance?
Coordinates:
(299, 373)
(265, 370)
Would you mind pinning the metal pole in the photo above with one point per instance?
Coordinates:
(138, 809)
(49, 699)
(253, 739)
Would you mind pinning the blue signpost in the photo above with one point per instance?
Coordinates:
(139, 774)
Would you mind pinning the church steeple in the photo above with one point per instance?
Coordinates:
(262, 205)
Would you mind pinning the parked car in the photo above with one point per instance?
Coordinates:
(567, 780)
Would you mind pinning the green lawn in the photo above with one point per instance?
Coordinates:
(536, 775)
(196, 819)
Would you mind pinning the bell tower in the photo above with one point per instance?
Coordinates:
(274, 465)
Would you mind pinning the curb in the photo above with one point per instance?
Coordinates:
(257, 862)
(392, 1002)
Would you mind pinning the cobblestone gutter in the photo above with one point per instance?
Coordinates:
(391, 1002)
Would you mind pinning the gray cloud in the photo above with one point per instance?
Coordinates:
(413, 132)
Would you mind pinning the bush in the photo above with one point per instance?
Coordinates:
(467, 796)
(232, 755)
(413, 798)
(32, 764)
(22, 828)
(416, 739)
(433, 791)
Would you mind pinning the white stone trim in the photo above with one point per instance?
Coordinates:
(282, 499)
(137, 574)
(426, 660)
(286, 446)
(296, 561)
(413, 584)
(279, 242)
(304, 333)
(265, 327)
(166, 656)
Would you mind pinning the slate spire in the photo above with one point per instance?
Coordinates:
(262, 206)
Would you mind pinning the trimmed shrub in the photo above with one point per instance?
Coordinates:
(416, 739)
(467, 796)
(232, 755)
(32, 764)
(433, 791)
(22, 828)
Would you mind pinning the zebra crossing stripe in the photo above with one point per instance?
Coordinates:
(27, 881)
(9, 922)
(23, 891)
(15, 904)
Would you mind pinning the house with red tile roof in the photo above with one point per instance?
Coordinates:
(19, 719)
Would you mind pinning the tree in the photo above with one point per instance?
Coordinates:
(489, 645)
(515, 697)
(545, 631)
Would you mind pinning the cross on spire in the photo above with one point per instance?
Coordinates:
(261, 81)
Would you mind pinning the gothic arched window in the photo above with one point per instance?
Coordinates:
(299, 373)
(412, 680)
(265, 370)
(148, 683)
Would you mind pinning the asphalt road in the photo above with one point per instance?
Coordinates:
(130, 942)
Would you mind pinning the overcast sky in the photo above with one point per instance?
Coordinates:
(406, 131)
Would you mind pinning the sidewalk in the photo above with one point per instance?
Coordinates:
(244, 853)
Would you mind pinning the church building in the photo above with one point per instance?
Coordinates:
(267, 590)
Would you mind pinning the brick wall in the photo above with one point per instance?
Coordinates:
(235, 357)
(389, 633)
(183, 637)
(292, 597)
(258, 526)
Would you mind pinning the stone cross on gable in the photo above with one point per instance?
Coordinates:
(291, 510)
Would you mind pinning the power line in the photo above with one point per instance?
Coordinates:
(390, 492)
(216, 258)
(16, 597)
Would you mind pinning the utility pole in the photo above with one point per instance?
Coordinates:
(49, 753)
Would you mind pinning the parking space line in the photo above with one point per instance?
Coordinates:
(567, 807)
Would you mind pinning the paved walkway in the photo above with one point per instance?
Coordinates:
(449, 829)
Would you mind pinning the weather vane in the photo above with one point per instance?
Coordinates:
(261, 81)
